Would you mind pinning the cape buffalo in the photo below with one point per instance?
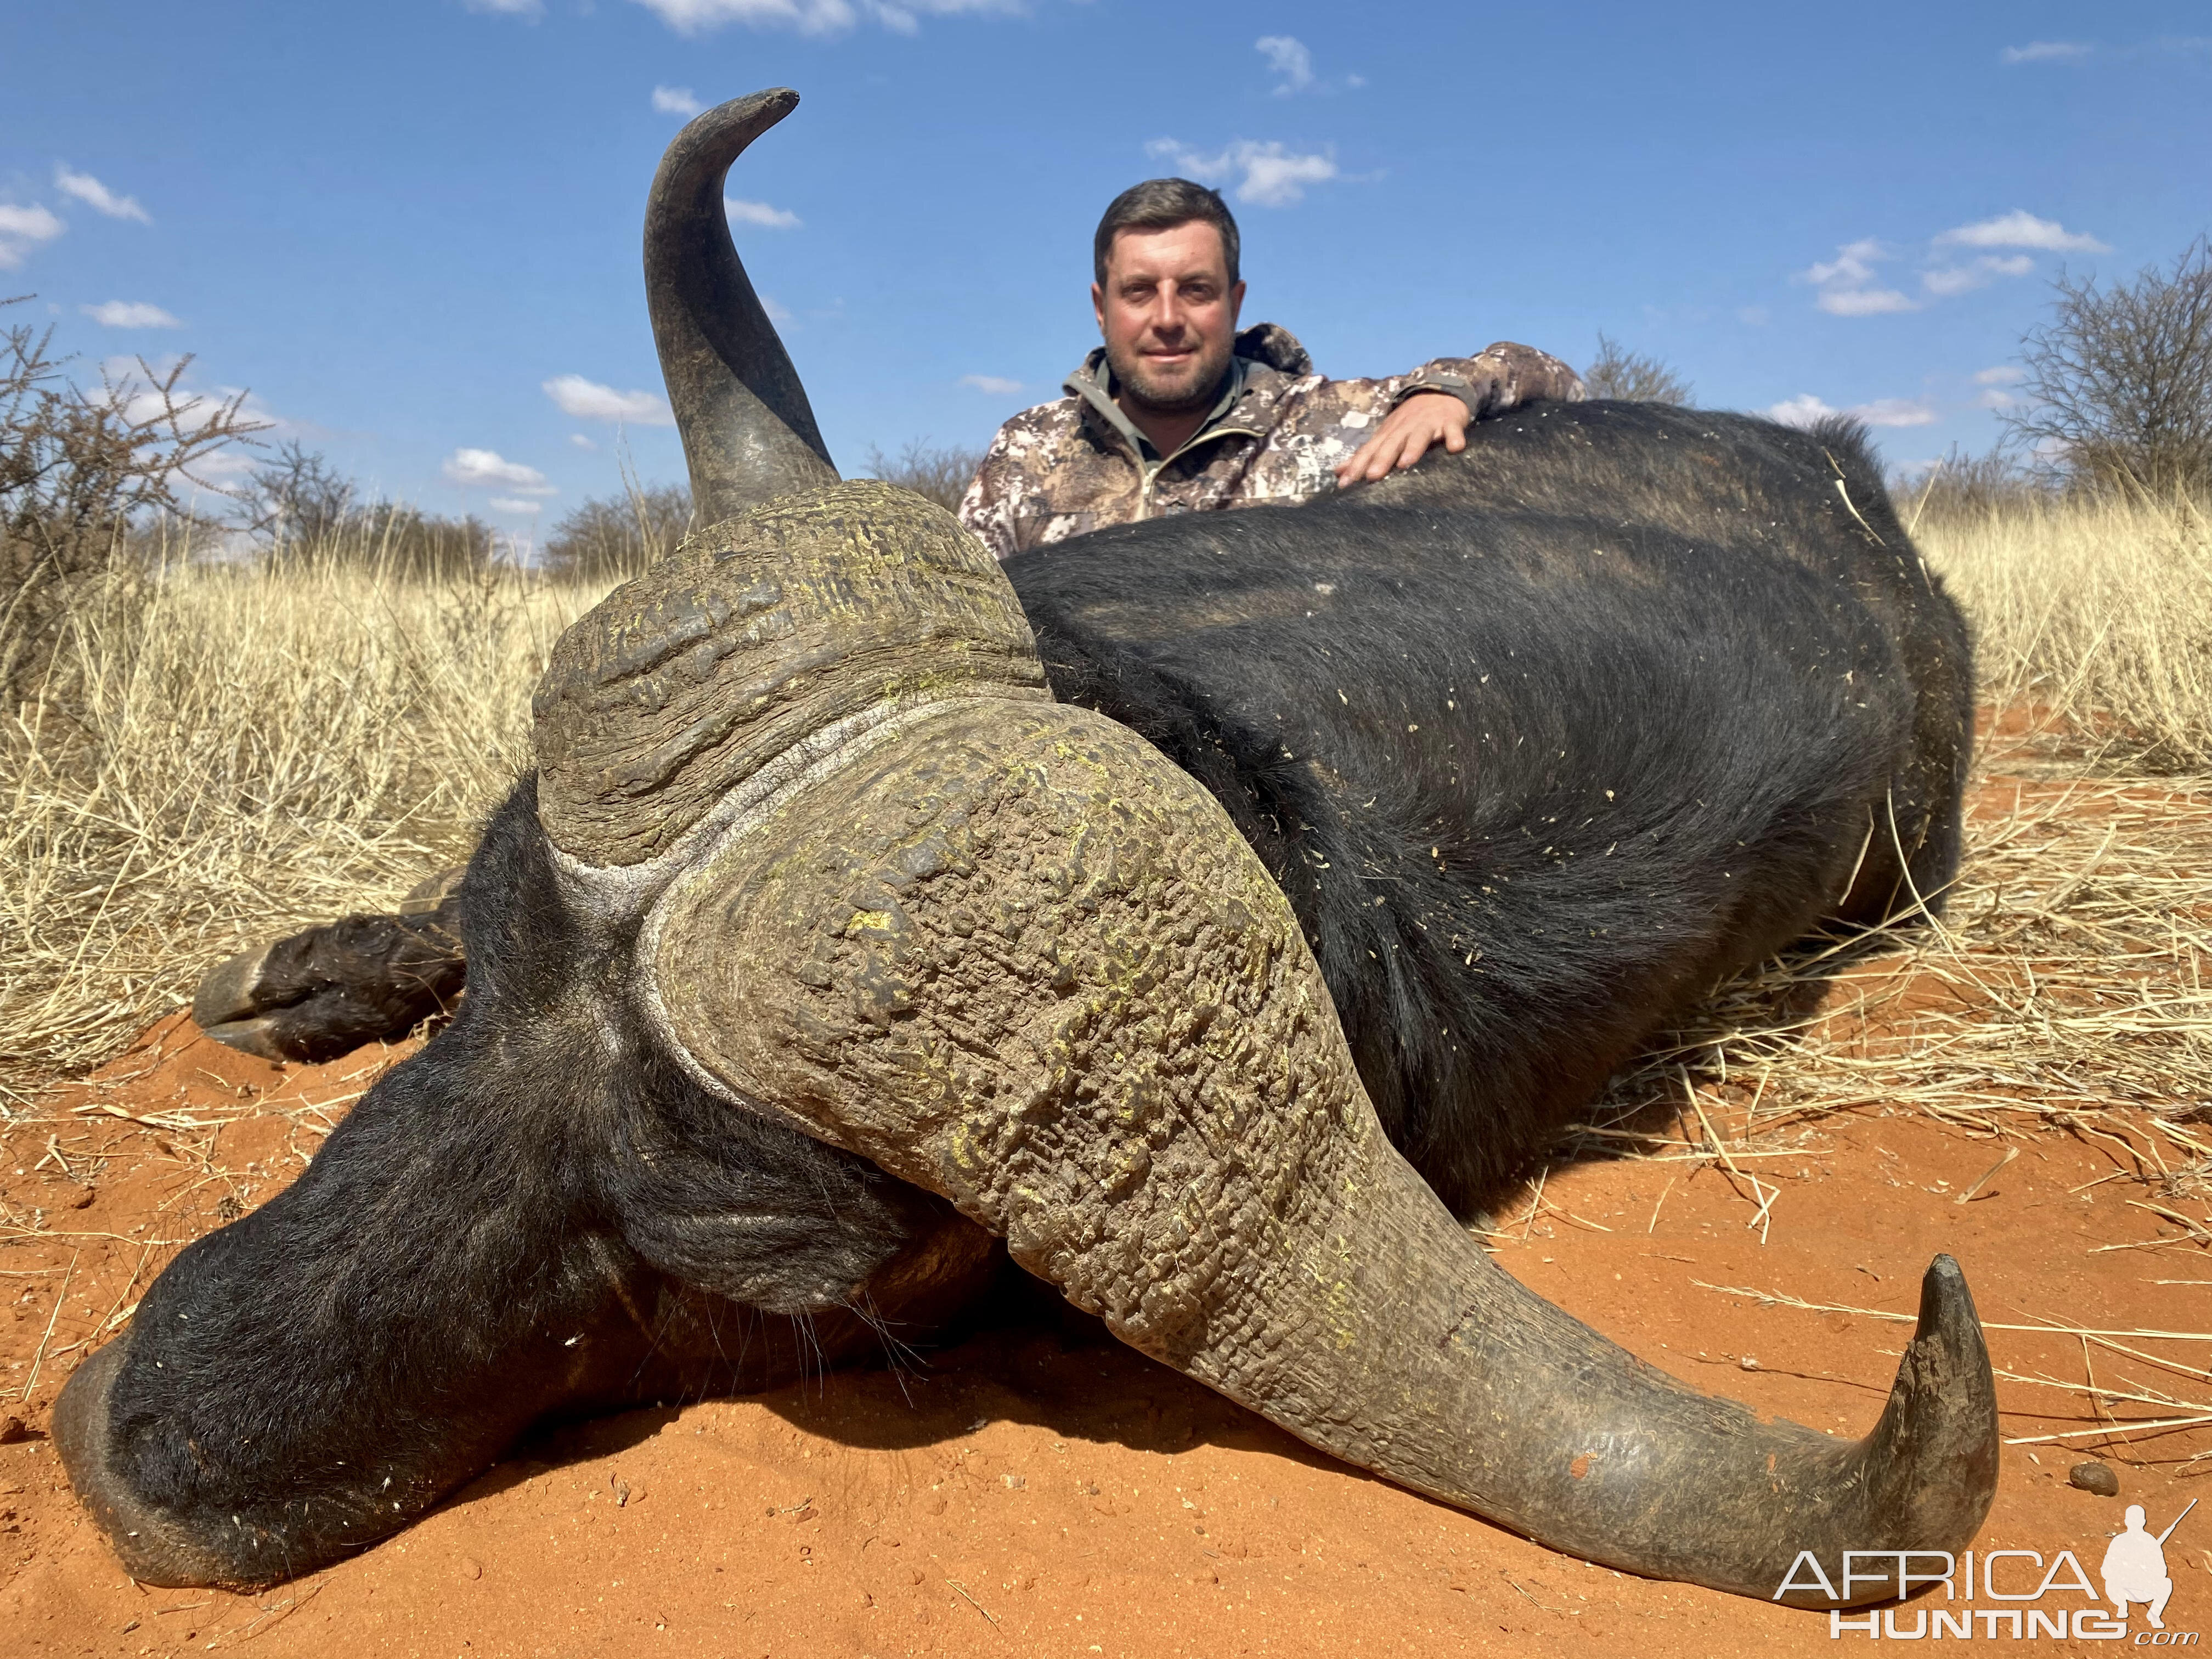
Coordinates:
(1202, 908)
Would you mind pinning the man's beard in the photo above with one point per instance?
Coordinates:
(1135, 381)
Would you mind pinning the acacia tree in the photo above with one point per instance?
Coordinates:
(77, 466)
(299, 500)
(2119, 382)
(1632, 376)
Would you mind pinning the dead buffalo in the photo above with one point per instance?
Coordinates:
(827, 944)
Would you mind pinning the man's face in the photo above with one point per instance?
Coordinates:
(1168, 311)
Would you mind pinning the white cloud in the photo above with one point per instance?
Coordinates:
(760, 213)
(581, 441)
(1864, 303)
(130, 313)
(1893, 411)
(1997, 397)
(1947, 280)
(776, 314)
(1805, 410)
(676, 100)
(510, 504)
(532, 9)
(996, 384)
(807, 16)
(95, 194)
(2046, 51)
(1800, 411)
(1952, 279)
(819, 16)
(2003, 374)
(1845, 282)
(21, 229)
(1272, 176)
(487, 468)
(1288, 60)
(587, 400)
(2019, 228)
(1853, 264)
(224, 469)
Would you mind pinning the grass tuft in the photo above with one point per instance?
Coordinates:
(2094, 614)
(249, 752)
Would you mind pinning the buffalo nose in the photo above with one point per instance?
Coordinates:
(152, 1550)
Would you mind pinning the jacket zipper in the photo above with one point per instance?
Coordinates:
(1147, 475)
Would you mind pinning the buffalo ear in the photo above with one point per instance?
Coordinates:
(763, 1214)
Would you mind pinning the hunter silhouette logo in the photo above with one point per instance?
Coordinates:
(2135, 1566)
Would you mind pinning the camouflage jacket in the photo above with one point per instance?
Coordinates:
(1278, 433)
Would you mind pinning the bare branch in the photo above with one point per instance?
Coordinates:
(2119, 381)
(1633, 377)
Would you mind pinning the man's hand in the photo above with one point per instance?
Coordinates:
(1405, 437)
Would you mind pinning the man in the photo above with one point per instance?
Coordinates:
(1179, 412)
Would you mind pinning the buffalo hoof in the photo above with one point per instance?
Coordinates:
(326, 992)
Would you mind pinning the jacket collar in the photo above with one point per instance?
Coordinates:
(1264, 355)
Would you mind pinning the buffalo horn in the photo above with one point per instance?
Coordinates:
(749, 433)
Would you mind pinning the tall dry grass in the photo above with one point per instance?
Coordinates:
(245, 750)
(2094, 613)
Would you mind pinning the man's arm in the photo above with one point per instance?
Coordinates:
(990, 506)
(1500, 377)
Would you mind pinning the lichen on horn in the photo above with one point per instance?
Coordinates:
(749, 433)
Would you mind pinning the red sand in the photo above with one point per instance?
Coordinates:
(1041, 1490)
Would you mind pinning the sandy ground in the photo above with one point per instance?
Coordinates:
(1039, 1490)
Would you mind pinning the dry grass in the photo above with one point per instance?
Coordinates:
(258, 751)
(2097, 613)
(2063, 986)
(2064, 980)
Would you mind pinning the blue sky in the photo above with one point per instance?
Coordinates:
(411, 229)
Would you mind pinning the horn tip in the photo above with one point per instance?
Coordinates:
(1941, 1425)
(1947, 1306)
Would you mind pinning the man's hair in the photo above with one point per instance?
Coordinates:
(1162, 204)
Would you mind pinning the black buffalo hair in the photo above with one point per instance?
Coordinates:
(1545, 739)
